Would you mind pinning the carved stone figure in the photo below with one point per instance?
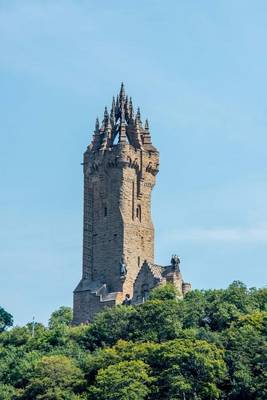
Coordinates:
(127, 301)
(175, 262)
(123, 268)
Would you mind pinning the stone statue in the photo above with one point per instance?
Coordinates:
(175, 262)
(123, 268)
(127, 301)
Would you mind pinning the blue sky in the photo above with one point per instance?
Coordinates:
(198, 72)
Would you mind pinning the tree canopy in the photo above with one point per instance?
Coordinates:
(209, 345)
(6, 319)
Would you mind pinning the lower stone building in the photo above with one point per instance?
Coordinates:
(120, 167)
(151, 275)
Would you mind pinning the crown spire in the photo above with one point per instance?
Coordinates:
(124, 123)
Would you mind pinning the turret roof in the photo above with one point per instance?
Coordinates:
(122, 125)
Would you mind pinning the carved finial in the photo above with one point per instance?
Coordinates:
(131, 110)
(175, 262)
(117, 108)
(136, 121)
(113, 110)
(138, 116)
(106, 114)
(96, 135)
(97, 125)
(113, 105)
(106, 118)
(146, 125)
(127, 108)
(122, 92)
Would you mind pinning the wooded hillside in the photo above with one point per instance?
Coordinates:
(210, 345)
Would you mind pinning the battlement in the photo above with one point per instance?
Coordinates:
(122, 155)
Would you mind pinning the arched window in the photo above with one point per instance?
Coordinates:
(138, 212)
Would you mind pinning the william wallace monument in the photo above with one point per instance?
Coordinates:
(120, 168)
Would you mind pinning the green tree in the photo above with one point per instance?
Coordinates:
(190, 370)
(55, 377)
(127, 380)
(18, 336)
(246, 355)
(6, 319)
(62, 316)
(109, 326)
(260, 298)
(211, 344)
(180, 368)
(156, 320)
(217, 309)
(7, 392)
(164, 292)
(21, 369)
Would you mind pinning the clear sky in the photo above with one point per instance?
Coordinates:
(198, 70)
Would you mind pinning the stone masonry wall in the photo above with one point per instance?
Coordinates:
(136, 213)
(117, 219)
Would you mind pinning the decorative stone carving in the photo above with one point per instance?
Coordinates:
(175, 262)
(123, 267)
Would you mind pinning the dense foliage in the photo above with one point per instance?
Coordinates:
(210, 345)
(6, 319)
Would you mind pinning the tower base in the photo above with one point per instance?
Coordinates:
(90, 298)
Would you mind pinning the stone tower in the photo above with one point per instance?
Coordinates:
(120, 168)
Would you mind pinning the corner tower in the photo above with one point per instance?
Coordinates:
(120, 168)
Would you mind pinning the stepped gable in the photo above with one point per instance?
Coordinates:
(157, 270)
